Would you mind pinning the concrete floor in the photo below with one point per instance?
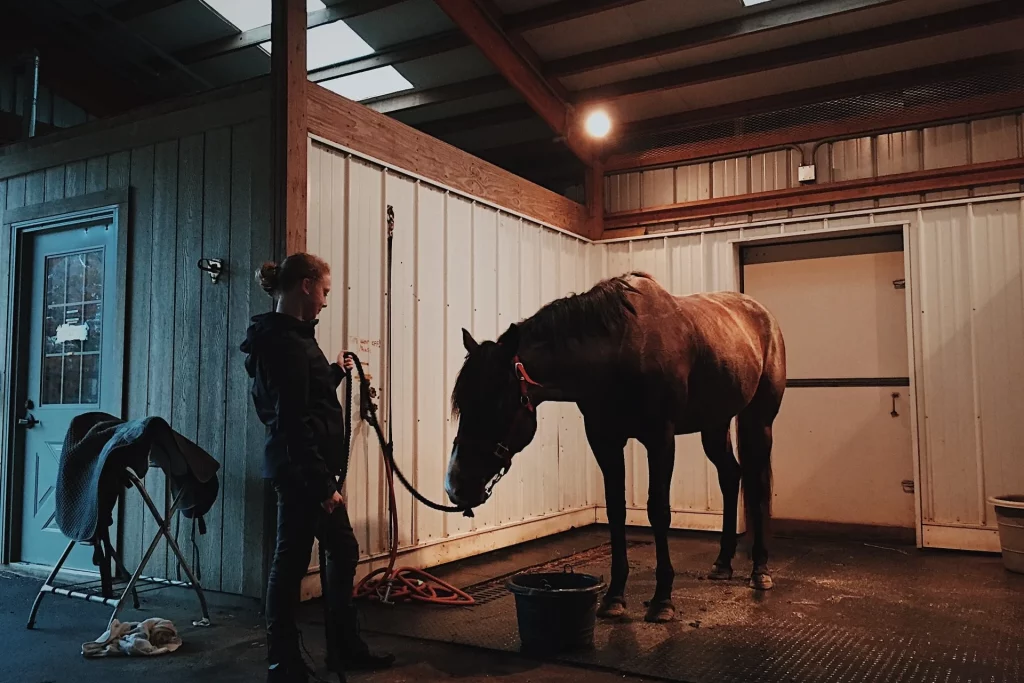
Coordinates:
(230, 651)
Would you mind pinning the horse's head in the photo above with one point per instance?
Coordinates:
(497, 419)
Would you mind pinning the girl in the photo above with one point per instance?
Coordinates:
(295, 393)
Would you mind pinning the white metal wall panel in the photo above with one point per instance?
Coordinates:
(946, 146)
(773, 171)
(899, 152)
(997, 302)
(693, 182)
(657, 187)
(457, 264)
(852, 159)
(729, 177)
(994, 139)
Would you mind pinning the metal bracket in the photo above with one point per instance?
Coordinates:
(899, 284)
(213, 266)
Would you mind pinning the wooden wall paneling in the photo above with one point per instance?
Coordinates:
(212, 342)
(140, 270)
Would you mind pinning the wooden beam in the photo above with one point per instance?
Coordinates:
(918, 182)
(745, 25)
(812, 51)
(396, 54)
(414, 99)
(388, 141)
(261, 34)
(836, 91)
(289, 123)
(559, 12)
(934, 114)
(496, 46)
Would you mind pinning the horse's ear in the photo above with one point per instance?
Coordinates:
(468, 341)
(510, 340)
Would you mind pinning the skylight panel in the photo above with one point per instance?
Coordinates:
(751, 3)
(374, 83)
(246, 15)
(329, 44)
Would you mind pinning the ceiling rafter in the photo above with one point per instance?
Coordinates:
(729, 29)
(815, 50)
(482, 28)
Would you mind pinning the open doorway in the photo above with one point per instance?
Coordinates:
(843, 455)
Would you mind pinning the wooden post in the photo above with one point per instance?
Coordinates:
(289, 139)
(594, 190)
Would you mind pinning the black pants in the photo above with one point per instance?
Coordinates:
(299, 519)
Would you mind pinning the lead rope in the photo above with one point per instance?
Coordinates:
(388, 584)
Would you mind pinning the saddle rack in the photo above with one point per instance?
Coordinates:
(104, 589)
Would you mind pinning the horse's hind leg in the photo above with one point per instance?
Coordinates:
(661, 451)
(717, 444)
(755, 434)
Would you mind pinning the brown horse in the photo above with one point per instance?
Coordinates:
(639, 363)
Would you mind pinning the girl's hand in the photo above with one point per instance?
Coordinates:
(333, 502)
(346, 362)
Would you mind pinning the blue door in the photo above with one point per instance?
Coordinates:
(65, 348)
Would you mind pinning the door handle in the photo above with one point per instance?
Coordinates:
(28, 422)
(895, 395)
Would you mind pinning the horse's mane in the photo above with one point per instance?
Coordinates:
(602, 311)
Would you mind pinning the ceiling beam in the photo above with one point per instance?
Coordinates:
(559, 12)
(815, 50)
(129, 10)
(396, 54)
(842, 90)
(414, 99)
(261, 34)
(677, 41)
(482, 30)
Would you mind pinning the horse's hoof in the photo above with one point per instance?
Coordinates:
(720, 572)
(612, 608)
(660, 612)
(761, 580)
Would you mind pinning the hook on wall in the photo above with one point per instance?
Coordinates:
(213, 266)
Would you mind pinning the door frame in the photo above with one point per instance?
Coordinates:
(15, 226)
(913, 361)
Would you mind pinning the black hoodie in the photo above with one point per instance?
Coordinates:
(295, 391)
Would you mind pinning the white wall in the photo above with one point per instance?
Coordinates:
(967, 287)
(457, 263)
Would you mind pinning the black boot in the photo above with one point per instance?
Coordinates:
(349, 652)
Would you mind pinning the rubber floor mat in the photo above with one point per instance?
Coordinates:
(840, 612)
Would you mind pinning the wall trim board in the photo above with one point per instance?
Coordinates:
(178, 119)
(71, 205)
(468, 545)
(918, 182)
(689, 520)
(631, 234)
(948, 537)
(390, 143)
(831, 131)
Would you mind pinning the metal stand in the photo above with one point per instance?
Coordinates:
(86, 591)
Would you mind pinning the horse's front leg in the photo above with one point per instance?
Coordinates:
(660, 462)
(610, 457)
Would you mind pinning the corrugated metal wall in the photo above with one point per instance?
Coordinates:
(457, 263)
(992, 139)
(201, 195)
(967, 283)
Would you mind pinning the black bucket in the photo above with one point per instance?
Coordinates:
(556, 611)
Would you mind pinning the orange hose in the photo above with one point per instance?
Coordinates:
(405, 584)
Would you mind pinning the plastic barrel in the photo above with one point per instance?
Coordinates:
(1010, 518)
(556, 612)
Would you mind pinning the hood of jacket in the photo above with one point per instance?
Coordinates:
(268, 329)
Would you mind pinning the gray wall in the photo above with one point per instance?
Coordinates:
(200, 187)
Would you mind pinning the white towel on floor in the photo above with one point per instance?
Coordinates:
(150, 637)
